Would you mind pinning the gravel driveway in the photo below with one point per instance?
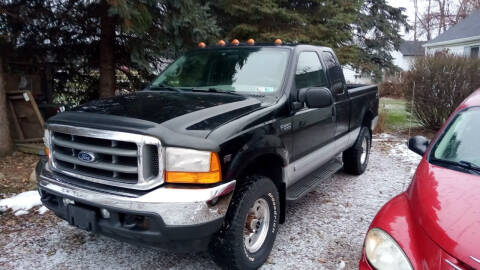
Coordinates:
(324, 230)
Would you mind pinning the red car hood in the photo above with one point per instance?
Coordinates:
(447, 205)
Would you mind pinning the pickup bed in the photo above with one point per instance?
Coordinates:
(208, 155)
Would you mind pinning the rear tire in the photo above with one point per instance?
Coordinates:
(250, 226)
(355, 159)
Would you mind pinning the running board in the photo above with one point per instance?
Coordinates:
(309, 182)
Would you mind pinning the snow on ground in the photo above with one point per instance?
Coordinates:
(401, 151)
(323, 230)
(383, 137)
(20, 204)
(398, 149)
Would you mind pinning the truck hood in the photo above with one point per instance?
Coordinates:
(446, 203)
(184, 112)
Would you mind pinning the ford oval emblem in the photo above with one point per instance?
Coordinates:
(86, 156)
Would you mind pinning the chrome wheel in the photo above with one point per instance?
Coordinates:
(256, 225)
(363, 156)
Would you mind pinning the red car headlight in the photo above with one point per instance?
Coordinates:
(384, 253)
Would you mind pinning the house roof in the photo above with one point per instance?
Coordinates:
(464, 30)
(412, 48)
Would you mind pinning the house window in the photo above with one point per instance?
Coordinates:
(471, 52)
(474, 52)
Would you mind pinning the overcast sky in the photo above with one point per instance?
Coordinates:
(410, 12)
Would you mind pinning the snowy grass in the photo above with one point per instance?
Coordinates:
(396, 115)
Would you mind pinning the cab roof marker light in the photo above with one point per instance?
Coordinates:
(251, 41)
(278, 42)
(235, 42)
(202, 45)
(221, 43)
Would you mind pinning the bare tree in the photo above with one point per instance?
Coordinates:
(439, 15)
(415, 24)
(465, 7)
(426, 21)
(442, 14)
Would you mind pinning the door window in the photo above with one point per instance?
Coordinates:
(335, 72)
(309, 71)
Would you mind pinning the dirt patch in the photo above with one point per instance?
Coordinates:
(16, 173)
(9, 223)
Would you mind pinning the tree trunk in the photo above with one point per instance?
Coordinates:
(107, 62)
(415, 24)
(6, 142)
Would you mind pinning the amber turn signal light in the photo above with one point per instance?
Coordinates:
(47, 152)
(214, 175)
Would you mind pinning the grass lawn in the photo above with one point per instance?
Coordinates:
(396, 116)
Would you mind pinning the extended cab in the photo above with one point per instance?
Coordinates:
(208, 155)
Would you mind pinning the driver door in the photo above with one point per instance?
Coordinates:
(313, 128)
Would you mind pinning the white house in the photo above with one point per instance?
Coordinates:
(355, 77)
(461, 39)
(408, 51)
(402, 58)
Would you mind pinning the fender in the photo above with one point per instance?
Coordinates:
(262, 132)
(396, 219)
(258, 147)
(251, 146)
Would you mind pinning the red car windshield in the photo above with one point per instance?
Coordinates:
(460, 143)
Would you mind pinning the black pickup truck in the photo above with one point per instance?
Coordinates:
(209, 154)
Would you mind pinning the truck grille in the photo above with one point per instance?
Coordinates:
(107, 157)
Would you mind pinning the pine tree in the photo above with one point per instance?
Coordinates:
(90, 42)
(378, 27)
(183, 23)
(361, 32)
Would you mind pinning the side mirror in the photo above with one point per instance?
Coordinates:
(418, 144)
(316, 97)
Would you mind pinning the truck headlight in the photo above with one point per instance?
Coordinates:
(383, 252)
(191, 166)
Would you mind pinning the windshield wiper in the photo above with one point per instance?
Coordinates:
(214, 90)
(164, 87)
(469, 165)
(462, 164)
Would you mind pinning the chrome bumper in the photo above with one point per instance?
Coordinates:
(176, 206)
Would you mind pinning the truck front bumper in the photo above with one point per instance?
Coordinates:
(169, 217)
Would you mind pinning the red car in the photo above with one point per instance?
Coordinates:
(435, 224)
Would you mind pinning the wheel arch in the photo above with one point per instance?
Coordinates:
(269, 165)
(367, 119)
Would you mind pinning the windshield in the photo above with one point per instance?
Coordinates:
(461, 142)
(235, 69)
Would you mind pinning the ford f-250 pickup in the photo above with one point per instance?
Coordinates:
(207, 156)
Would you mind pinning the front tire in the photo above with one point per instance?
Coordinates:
(355, 159)
(250, 226)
